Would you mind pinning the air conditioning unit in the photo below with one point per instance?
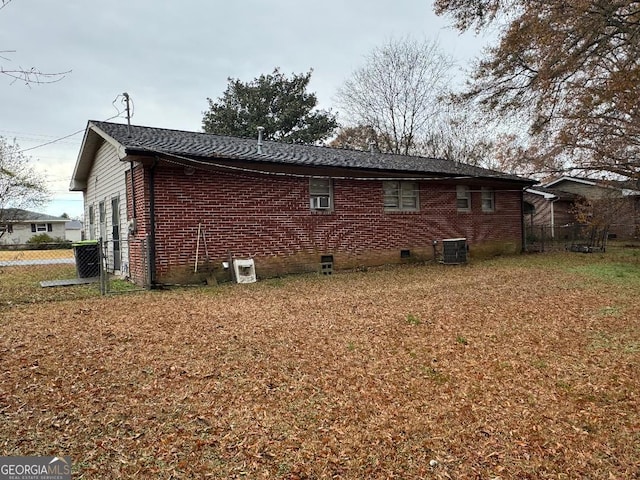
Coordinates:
(321, 203)
(454, 251)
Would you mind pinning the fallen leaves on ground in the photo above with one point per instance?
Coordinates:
(506, 369)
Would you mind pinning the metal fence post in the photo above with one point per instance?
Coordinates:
(147, 262)
(103, 273)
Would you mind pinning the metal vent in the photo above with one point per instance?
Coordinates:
(454, 251)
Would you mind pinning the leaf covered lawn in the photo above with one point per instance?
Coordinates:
(514, 368)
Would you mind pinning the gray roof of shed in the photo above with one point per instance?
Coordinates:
(141, 140)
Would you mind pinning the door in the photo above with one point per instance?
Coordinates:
(115, 230)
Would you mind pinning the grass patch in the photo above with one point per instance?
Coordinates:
(413, 319)
(609, 311)
(117, 285)
(619, 342)
(611, 273)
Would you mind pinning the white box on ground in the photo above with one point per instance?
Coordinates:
(245, 270)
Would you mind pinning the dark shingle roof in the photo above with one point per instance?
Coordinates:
(15, 215)
(208, 146)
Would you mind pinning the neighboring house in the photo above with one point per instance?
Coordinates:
(549, 210)
(18, 226)
(614, 203)
(162, 198)
(73, 230)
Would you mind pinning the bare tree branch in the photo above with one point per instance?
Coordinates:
(21, 187)
(574, 66)
(397, 92)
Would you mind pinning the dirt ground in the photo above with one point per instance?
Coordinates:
(515, 368)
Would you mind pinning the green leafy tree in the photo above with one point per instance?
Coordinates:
(279, 104)
(571, 69)
(21, 187)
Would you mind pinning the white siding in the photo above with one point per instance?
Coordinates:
(73, 235)
(106, 181)
(22, 232)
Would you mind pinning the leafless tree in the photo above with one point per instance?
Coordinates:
(462, 134)
(397, 92)
(21, 187)
(28, 76)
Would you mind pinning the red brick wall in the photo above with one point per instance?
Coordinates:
(268, 218)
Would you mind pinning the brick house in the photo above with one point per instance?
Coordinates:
(149, 191)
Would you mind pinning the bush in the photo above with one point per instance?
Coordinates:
(44, 241)
(40, 239)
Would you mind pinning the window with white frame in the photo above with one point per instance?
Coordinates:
(320, 194)
(401, 196)
(488, 199)
(41, 227)
(463, 198)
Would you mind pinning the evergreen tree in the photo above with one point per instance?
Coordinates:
(279, 104)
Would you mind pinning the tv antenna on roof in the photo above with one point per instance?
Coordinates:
(128, 110)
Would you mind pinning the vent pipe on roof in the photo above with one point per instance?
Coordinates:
(260, 130)
(372, 147)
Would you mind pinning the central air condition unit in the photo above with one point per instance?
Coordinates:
(321, 203)
(454, 251)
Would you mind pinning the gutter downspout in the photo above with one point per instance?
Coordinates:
(553, 219)
(133, 192)
(152, 223)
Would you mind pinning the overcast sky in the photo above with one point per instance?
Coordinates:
(170, 56)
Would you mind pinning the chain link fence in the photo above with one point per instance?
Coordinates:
(574, 237)
(125, 265)
(64, 271)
